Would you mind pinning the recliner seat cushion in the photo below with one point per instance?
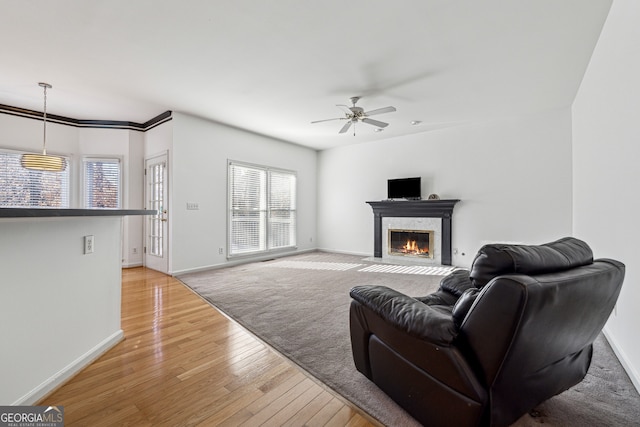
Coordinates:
(499, 259)
(452, 286)
(456, 282)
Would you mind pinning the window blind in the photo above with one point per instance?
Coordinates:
(25, 188)
(282, 212)
(262, 209)
(101, 183)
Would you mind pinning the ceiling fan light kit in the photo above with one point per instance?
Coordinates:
(357, 114)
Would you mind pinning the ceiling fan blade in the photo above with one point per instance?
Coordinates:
(346, 127)
(375, 123)
(380, 111)
(328, 120)
(344, 108)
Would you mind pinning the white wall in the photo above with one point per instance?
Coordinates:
(159, 142)
(25, 134)
(128, 146)
(199, 150)
(133, 198)
(513, 177)
(59, 308)
(606, 140)
(22, 133)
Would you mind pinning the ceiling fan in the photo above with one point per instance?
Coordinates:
(357, 114)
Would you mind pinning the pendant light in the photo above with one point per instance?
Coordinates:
(44, 162)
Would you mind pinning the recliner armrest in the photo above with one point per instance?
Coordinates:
(407, 314)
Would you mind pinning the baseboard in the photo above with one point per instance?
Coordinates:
(624, 360)
(239, 261)
(132, 265)
(62, 376)
(334, 251)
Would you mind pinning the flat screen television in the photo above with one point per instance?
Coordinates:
(404, 188)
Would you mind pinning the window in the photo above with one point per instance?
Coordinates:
(24, 188)
(101, 183)
(262, 209)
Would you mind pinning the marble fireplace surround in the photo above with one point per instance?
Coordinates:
(416, 215)
(413, 224)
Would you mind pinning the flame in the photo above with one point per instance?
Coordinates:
(412, 247)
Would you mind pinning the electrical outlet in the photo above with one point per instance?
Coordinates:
(220, 251)
(134, 250)
(88, 244)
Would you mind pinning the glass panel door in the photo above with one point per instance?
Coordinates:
(157, 225)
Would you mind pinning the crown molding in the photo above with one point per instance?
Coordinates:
(101, 124)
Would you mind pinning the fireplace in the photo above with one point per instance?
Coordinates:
(415, 215)
(412, 243)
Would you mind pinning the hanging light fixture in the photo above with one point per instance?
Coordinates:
(44, 162)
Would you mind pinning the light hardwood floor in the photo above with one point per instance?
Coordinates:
(184, 363)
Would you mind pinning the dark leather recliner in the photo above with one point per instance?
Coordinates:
(491, 343)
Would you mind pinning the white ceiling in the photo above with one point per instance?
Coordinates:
(272, 67)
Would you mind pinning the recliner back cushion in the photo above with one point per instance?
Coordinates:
(499, 259)
(463, 305)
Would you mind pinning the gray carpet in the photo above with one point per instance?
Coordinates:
(300, 305)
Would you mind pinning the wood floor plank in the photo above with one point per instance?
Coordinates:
(265, 415)
(324, 415)
(309, 411)
(342, 417)
(293, 407)
(182, 362)
(272, 394)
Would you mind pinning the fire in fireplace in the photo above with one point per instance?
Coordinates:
(417, 243)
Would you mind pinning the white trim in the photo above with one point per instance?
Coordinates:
(264, 234)
(83, 182)
(235, 262)
(336, 251)
(165, 267)
(66, 175)
(66, 373)
(132, 265)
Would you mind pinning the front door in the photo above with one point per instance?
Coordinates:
(156, 245)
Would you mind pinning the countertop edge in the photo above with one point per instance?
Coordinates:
(49, 212)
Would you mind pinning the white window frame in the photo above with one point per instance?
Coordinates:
(85, 186)
(266, 213)
(65, 175)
